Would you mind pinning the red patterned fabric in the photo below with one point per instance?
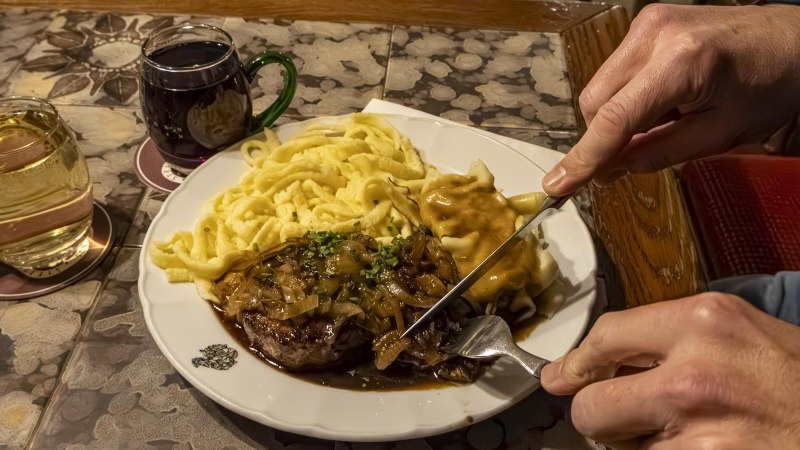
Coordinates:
(746, 212)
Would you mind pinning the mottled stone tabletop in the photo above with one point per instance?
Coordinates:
(78, 368)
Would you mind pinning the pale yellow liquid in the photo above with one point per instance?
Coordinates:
(45, 192)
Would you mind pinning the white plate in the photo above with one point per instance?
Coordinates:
(181, 323)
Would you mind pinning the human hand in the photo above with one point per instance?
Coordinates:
(686, 82)
(719, 374)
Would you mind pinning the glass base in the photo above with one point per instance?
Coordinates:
(55, 267)
(49, 253)
(14, 285)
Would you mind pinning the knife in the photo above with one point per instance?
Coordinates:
(548, 208)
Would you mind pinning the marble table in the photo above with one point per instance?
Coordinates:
(78, 368)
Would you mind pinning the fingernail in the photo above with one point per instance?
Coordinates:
(554, 368)
(549, 377)
(554, 177)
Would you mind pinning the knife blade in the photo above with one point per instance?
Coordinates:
(549, 207)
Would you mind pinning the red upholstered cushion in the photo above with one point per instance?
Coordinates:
(746, 212)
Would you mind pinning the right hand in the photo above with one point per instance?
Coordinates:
(686, 82)
(716, 374)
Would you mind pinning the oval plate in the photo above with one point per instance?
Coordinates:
(182, 324)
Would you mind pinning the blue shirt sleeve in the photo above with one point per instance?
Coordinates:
(777, 295)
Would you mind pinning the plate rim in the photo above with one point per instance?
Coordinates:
(323, 432)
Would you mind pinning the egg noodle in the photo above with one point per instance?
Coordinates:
(358, 174)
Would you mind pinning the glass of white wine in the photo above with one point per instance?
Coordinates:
(45, 190)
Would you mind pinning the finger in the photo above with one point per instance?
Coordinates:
(622, 408)
(650, 95)
(691, 137)
(670, 116)
(636, 49)
(610, 174)
(639, 337)
(617, 71)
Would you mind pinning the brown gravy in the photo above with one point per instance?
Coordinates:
(365, 377)
(461, 206)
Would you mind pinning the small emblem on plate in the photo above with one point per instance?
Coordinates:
(217, 356)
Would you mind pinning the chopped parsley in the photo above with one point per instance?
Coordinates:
(375, 202)
(263, 273)
(319, 290)
(294, 214)
(326, 243)
(255, 246)
(387, 258)
(323, 243)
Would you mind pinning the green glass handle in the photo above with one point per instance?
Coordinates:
(251, 68)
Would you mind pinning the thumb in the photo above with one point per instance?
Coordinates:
(607, 134)
(549, 378)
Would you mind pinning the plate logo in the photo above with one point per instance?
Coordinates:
(217, 356)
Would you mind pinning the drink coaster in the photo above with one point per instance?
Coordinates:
(15, 286)
(153, 170)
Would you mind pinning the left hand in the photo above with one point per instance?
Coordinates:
(714, 373)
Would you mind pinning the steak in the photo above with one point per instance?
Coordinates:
(323, 301)
(317, 343)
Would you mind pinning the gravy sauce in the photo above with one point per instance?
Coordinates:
(471, 209)
(364, 377)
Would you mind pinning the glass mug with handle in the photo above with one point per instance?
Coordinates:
(45, 189)
(195, 93)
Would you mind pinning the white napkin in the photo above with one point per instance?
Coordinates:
(543, 157)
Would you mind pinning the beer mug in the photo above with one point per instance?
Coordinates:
(195, 93)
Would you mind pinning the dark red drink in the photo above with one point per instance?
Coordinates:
(195, 92)
(200, 106)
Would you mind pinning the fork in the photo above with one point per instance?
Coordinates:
(489, 336)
